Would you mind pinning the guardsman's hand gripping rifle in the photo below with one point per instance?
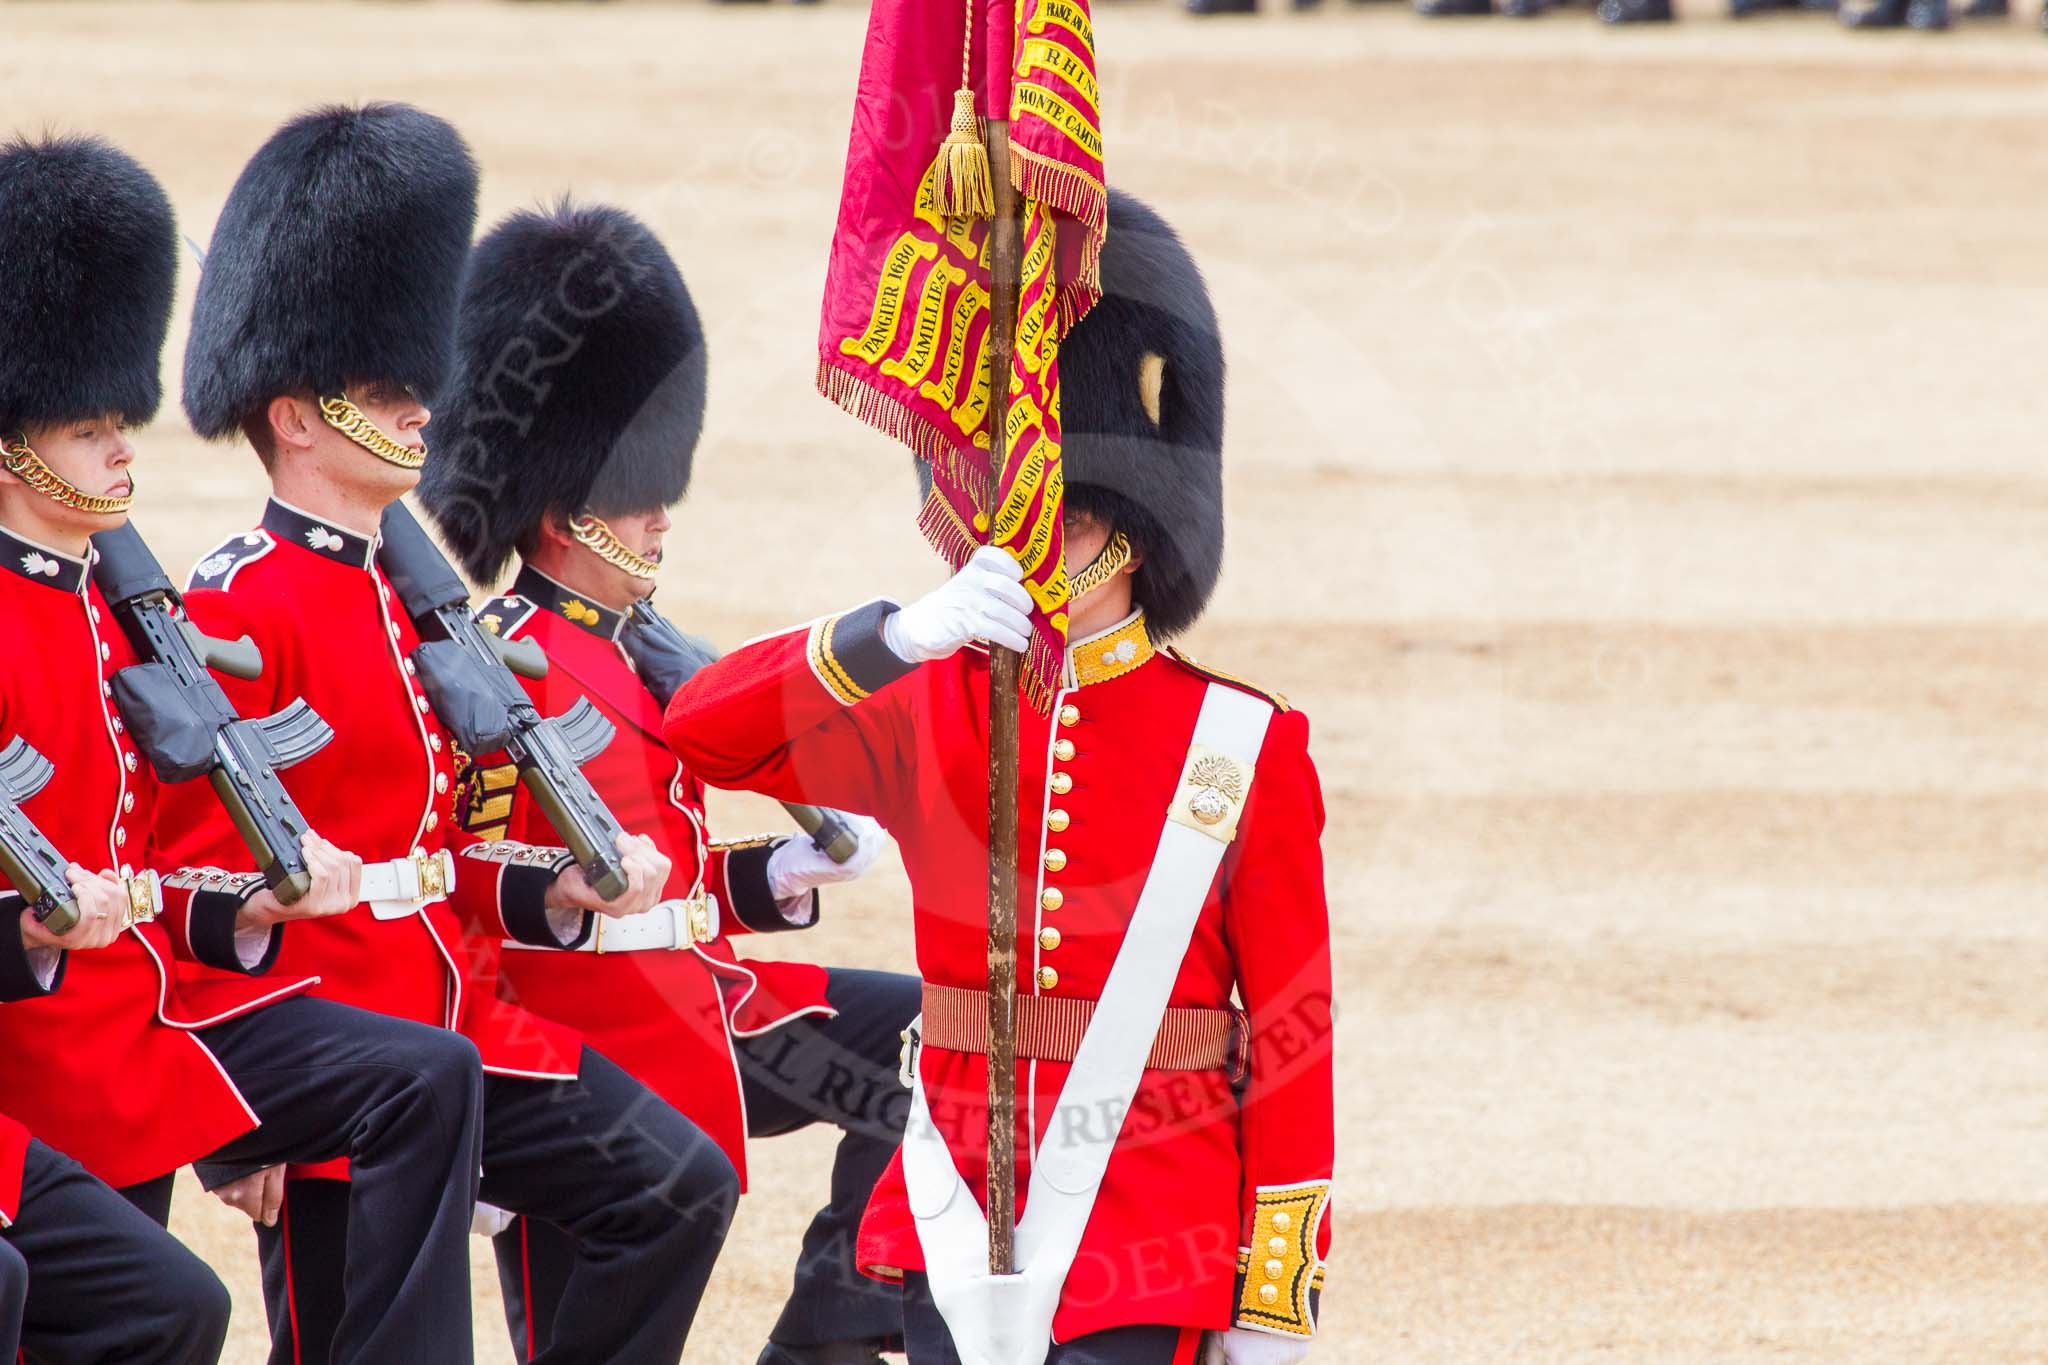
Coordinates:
(666, 659)
(33, 867)
(467, 673)
(185, 724)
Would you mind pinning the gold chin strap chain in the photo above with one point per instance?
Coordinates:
(348, 419)
(601, 540)
(1106, 566)
(28, 466)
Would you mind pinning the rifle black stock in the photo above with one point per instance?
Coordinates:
(667, 658)
(183, 722)
(33, 866)
(467, 674)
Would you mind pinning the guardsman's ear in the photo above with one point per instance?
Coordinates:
(554, 529)
(291, 425)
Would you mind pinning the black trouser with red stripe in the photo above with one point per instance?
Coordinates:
(401, 1101)
(640, 1194)
(840, 1070)
(86, 1276)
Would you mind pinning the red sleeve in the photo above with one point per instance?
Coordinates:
(1278, 924)
(818, 714)
(501, 890)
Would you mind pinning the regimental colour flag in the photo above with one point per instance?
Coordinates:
(905, 343)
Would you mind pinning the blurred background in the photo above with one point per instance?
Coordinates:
(1634, 472)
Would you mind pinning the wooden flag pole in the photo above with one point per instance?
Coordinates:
(1006, 667)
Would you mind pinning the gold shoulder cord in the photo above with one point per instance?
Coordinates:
(28, 466)
(1106, 566)
(605, 544)
(348, 419)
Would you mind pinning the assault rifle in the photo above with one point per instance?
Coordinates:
(667, 658)
(185, 724)
(467, 673)
(33, 867)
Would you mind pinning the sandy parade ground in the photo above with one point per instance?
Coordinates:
(1635, 474)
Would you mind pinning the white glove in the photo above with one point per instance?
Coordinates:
(1240, 1347)
(982, 602)
(798, 865)
(488, 1220)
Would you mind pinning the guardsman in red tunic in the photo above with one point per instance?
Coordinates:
(577, 484)
(166, 1044)
(325, 313)
(1170, 826)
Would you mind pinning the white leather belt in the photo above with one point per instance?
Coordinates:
(405, 886)
(666, 927)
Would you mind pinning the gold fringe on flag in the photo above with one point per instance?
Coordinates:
(1043, 662)
(1080, 196)
(890, 417)
(954, 540)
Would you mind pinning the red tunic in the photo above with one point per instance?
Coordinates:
(829, 715)
(669, 1018)
(108, 1069)
(331, 630)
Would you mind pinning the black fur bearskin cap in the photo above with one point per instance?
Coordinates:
(578, 385)
(88, 259)
(1141, 410)
(336, 261)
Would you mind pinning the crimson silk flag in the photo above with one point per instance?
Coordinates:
(904, 343)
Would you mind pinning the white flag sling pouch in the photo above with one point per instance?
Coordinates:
(1007, 1319)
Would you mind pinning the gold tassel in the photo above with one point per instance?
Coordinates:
(961, 185)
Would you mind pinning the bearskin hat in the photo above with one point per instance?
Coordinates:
(335, 261)
(1141, 412)
(579, 382)
(88, 257)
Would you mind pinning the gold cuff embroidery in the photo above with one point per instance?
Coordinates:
(753, 841)
(1280, 1268)
(825, 664)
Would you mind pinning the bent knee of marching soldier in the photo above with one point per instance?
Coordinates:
(449, 1067)
(686, 1187)
(659, 1168)
(189, 1308)
(439, 1067)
